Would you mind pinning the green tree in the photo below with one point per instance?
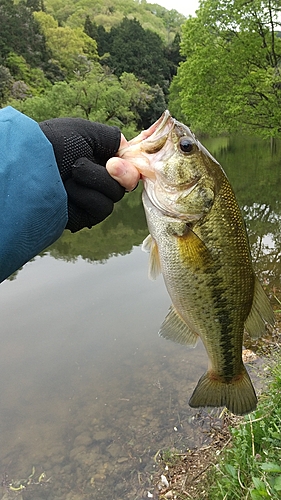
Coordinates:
(156, 105)
(109, 13)
(139, 51)
(231, 77)
(173, 56)
(70, 48)
(90, 28)
(35, 5)
(19, 80)
(6, 81)
(20, 35)
(99, 34)
(99, 95)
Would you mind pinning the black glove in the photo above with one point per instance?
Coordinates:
(82, 149)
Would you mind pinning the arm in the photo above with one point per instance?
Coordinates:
(52, 177)
(33, 201)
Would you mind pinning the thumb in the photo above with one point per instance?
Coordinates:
(123, 172)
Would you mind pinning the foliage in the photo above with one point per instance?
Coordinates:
(231, 76)
(69, 47)
(155, 106)
(173, 56)
(6, 81)
(20, 34)
(24, 57)
(109, 13)
(133, 49)
(98, 33)
(251, 467)
(33, 78)
(126, 227)
(98, 95)
(56, 51)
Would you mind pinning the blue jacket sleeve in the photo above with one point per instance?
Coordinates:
(33, 201)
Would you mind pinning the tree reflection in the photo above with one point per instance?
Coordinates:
(253, 168)
(118, 234)
(264, 231)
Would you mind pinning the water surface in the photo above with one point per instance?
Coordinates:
(89, 392)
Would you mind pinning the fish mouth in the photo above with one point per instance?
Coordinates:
(160, 125)
(157, 131)
(148, 142)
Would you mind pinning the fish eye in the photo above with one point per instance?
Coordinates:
(186, 146)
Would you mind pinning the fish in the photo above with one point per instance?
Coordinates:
(198, 241)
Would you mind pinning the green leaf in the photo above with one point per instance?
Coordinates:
(277, 483)
(258, 484)
(276, 435)
(257, 495)
(231, 470)
(270, 467)
(226, 40)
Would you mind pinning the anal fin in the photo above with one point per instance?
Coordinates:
(174, 328)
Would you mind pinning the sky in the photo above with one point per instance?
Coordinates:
(185, 7)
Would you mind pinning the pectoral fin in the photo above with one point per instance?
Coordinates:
(154, 266)
(175, 329)
(260, 313)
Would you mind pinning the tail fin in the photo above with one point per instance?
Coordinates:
(238, 396)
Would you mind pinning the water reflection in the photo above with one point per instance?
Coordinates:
(253, 168)
(89, 392)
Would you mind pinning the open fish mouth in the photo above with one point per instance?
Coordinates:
(152, 141)
(159, 127)
(156, 131)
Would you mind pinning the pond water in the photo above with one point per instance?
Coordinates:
(89, 392)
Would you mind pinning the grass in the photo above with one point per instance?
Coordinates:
(243, 461)
(251, 467)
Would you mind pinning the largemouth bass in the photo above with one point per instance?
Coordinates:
(199, 243)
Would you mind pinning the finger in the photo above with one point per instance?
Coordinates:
(78, 218)
(94, 203)
(123, 172)
(72, 138)
(96, 177)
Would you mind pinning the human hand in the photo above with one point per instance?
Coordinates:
(122, 170)
(82, 149)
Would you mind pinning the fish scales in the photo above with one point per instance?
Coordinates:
(200, 282)
(199, 243)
